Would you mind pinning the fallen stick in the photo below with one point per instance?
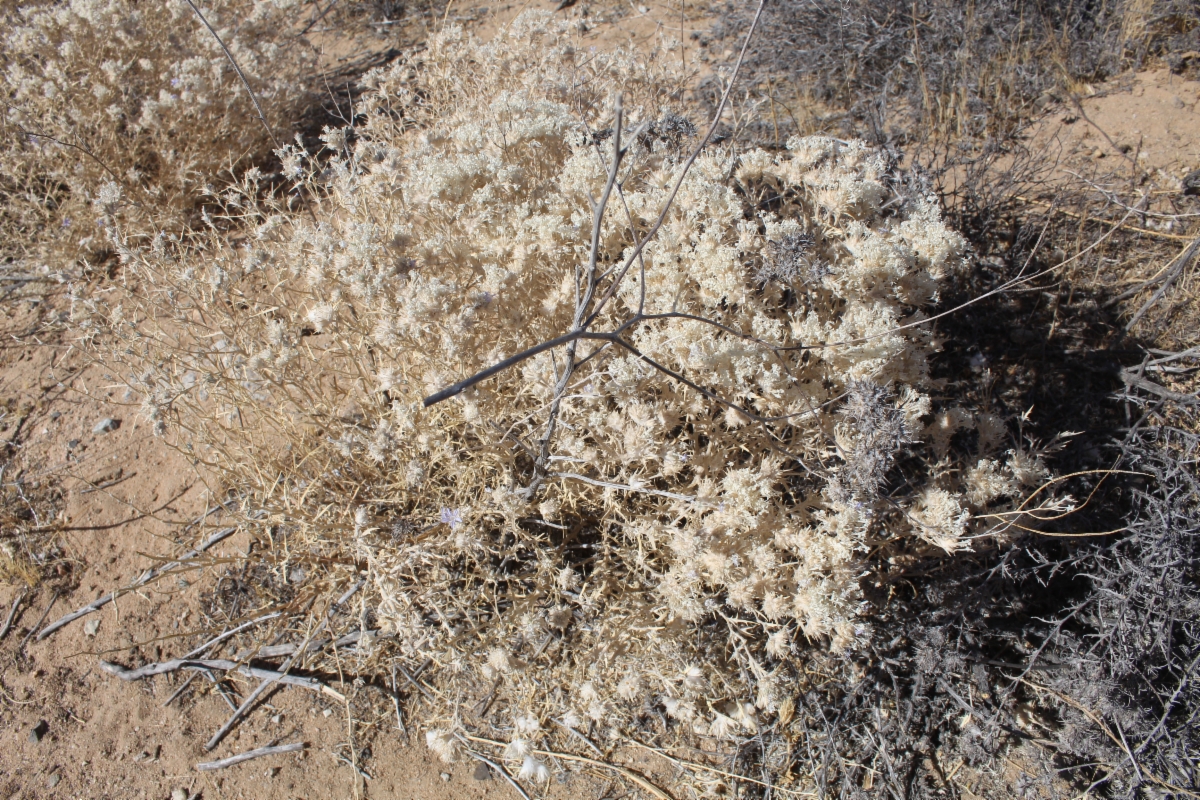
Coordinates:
(45, 613)
(281, 650)
(227, 634)
(262, 687)
(225, 665)
(12, 614)
(220, 687)
(1166, 273)
(145, 578)
(208, 766)
(366, 775)
(413, 679)
(181, 689)
(1131, 379)
(396, 702)
(1167, 280)
(1083, 218)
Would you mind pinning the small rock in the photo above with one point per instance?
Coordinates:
(445, 777)
(482, 772)
(106, 425)
(1098, 153)
(278, 718)
(326, 713)
(38, 731)
(55, 415)
(72, 444)
(53, 780)
(296, 575)
(91, 626)
(179, 794)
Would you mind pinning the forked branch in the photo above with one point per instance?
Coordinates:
(586, 311)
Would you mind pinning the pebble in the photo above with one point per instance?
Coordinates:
(278, 718)
(482, 772)
(38, 731)
(91, 626)
(445, 777)
(326, 713)
(72, 444)
(106, 425)
(179, 794)
(53, 780)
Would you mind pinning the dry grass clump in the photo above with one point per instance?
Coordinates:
(116, 107)
(913, 71)
(673, 423)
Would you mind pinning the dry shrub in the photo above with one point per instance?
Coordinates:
(911, 71)
(121, 107)
(649, 521)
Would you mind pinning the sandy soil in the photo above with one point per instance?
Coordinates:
(68, 729)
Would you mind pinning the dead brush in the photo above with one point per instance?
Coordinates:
(914, 72)
(516, 395)
(114, 108)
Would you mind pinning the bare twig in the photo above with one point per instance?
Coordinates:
(365, 775)
(584, 306)
(413, 679)
(262, 687)
(107, 484)
(281, 650)
(207, 766)
(214, 642)
(1167, 280)
(253, 99)
(396, 703)
(225, 665)
(580, 737)
(182, 688)
(29, 635)
(1132, 379)
(145, 578)
(1099, 723)
(12, 614)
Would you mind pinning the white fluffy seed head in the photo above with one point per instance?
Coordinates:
(533, 770)
(443, 744)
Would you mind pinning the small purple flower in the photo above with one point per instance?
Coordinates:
(66, 223)
(175, 82)
(451, 517)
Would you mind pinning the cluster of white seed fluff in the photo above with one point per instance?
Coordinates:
(663, 528)
(134, 107)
